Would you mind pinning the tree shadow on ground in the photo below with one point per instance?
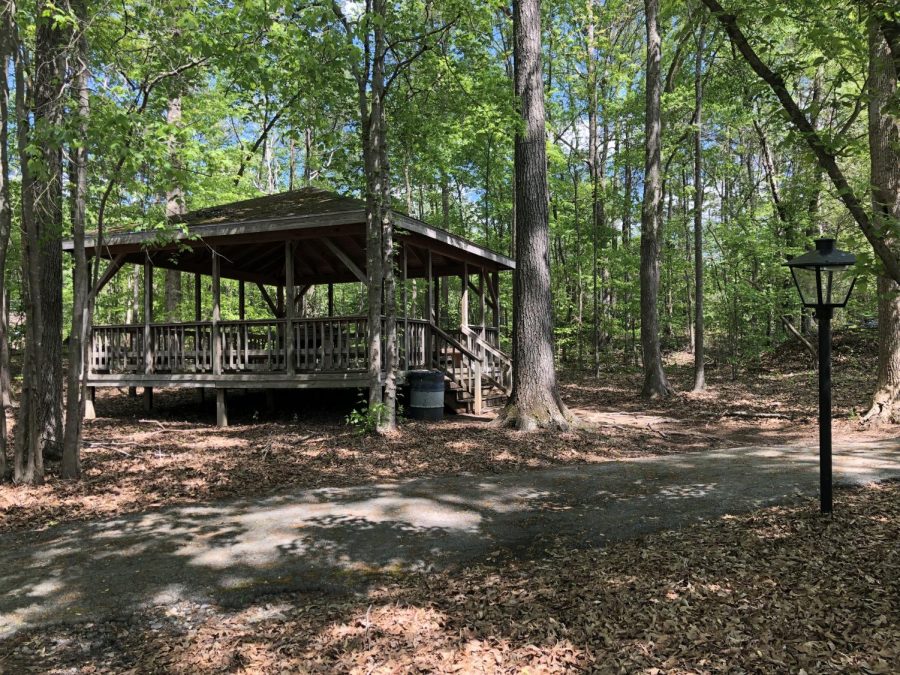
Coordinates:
(336, 540)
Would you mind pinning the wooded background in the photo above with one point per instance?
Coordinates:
(121, 115)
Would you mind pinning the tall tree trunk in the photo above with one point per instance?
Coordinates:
(39, 425)
(174, 208)
(699, 368)
(5, 226)
(391, 355)
(655, 382)
(535, 399)
(307, 156)
(884, 150)
(445, 201)
(49, 107)
(371, 110)
(78, 340)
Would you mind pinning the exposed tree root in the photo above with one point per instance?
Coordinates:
(885, 410)
(548, 412)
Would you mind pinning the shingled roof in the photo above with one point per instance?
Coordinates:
(328, 227)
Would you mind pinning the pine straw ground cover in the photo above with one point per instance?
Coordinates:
(778, 590)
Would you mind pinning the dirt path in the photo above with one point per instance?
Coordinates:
(334, 539)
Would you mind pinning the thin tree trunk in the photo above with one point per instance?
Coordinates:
(699, 367)
(655, 382)
(78, 341)
(371, 111)
(292, 163)
(307, 156)
(626, 246)
(593, 169)
(535, 399)
(884, 149)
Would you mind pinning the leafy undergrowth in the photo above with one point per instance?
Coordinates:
(778, 590)
(135, 460)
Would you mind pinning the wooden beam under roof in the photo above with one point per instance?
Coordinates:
(344, 258)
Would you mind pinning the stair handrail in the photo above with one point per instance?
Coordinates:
(487, 346)
(454, 343)
(504, 358)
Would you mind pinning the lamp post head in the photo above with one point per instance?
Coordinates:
(824, 277)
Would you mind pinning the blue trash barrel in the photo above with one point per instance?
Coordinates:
(426, 394)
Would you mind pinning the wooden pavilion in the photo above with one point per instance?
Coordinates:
(285, 244)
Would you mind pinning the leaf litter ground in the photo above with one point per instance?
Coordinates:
(135, 460)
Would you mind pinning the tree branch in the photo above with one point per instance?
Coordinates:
(798, 118)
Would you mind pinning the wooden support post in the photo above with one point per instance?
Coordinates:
(464, 299)
(89, 411)
(429, 310)
(198, 295)
(289, 306)
(495, 283)
(221, 408)
(478, 405)
(330, 300)
(406, 341)
(216, 315)
(438, 309)
(242, 304)
(148, 334)
(482, 314)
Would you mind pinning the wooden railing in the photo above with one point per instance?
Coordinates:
(330, 344)
(414, 343)
(117, 349)
(252, 346)
(179, 348)
(469, 357)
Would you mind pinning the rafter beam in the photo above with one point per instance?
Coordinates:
(344, 258)
(114, 266)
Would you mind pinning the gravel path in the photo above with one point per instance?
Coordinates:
(333, 540)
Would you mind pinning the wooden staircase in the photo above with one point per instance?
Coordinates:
(478, 375)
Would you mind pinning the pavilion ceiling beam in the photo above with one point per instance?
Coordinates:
(226, 271)
(254, 256)
(114, 266)
(301, 264)
(414, 259)
(268, 298)
(344, 258)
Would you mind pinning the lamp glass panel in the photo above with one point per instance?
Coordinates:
(839, 286)
(805, 278)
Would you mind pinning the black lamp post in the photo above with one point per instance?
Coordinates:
(824, 278)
